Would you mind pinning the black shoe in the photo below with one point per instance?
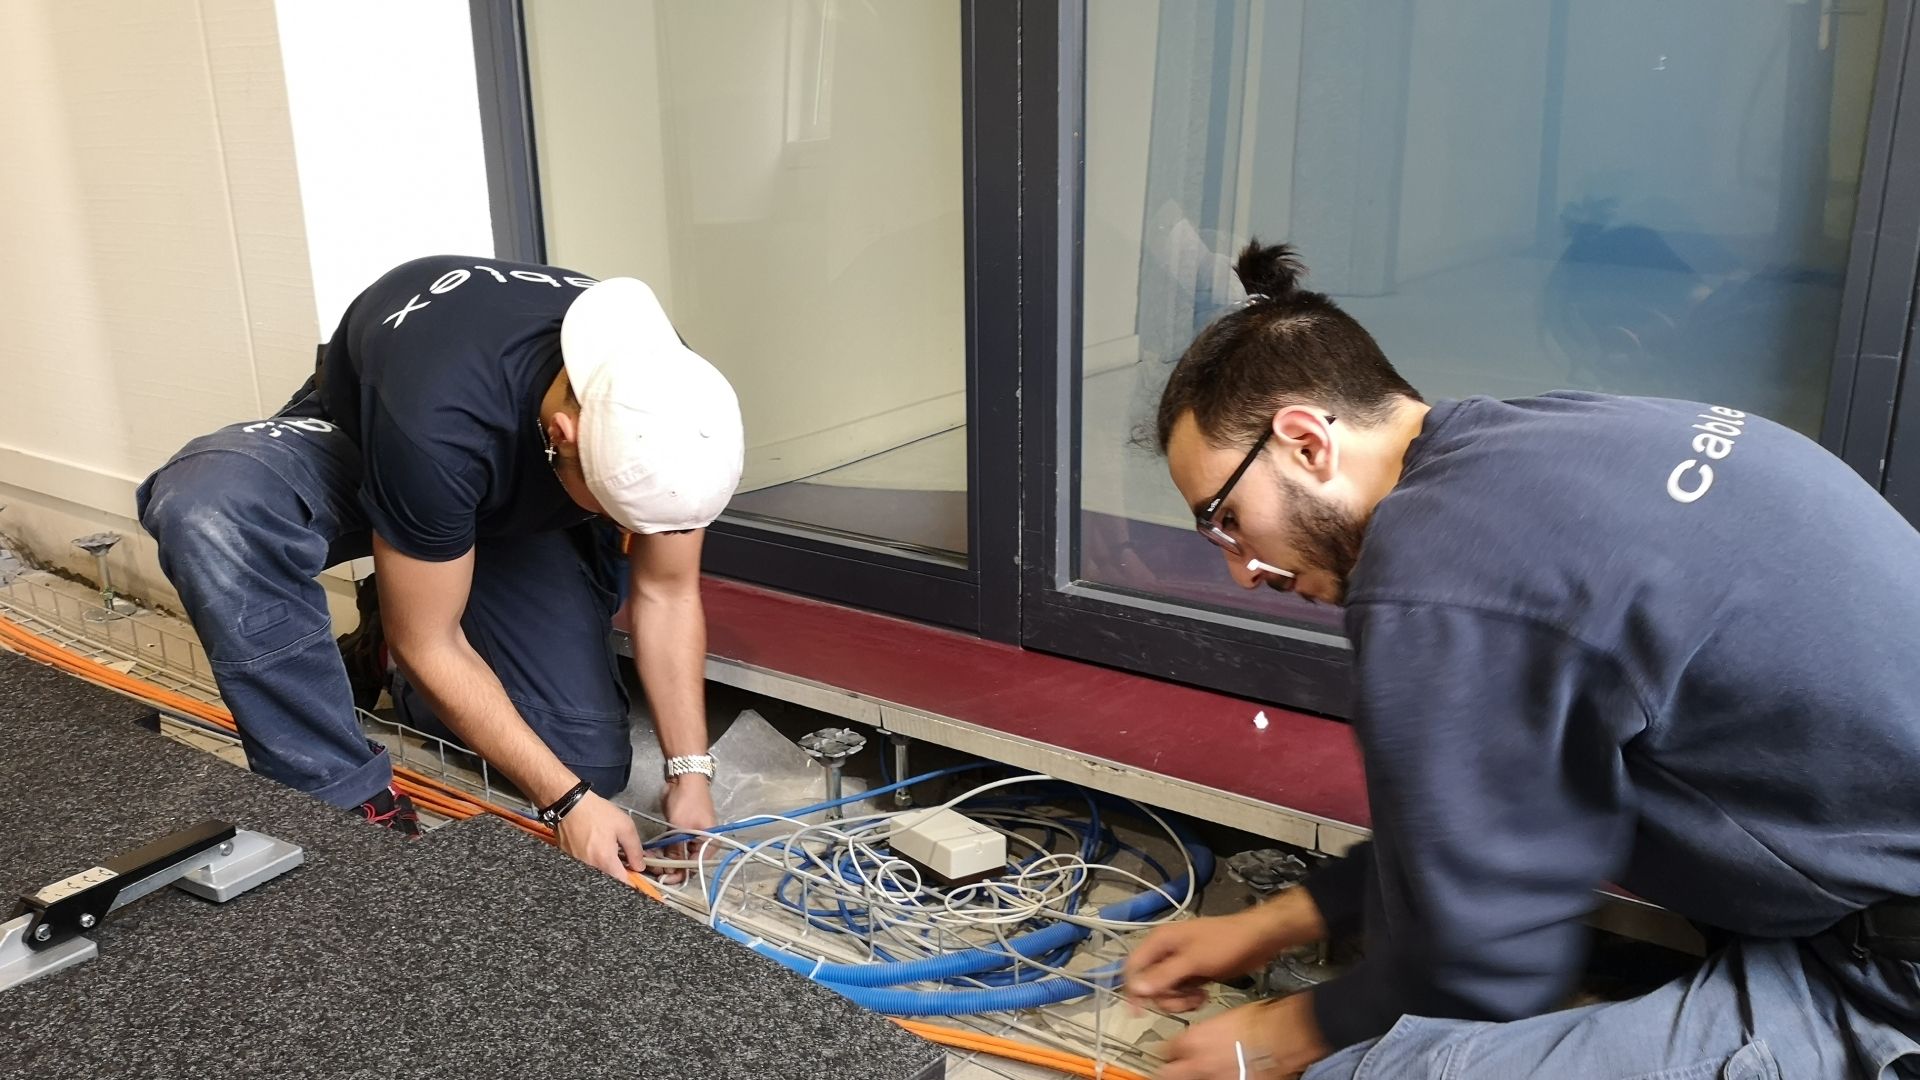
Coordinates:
(365, 650)
(391, 811)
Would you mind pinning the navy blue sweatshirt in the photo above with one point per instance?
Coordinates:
(1668, 645)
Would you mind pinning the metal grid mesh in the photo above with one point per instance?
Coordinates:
(139, 645)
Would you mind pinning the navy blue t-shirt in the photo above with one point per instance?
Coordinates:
(437, 372)
(1668, 645)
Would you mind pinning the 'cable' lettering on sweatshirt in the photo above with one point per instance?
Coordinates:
(1718, 429)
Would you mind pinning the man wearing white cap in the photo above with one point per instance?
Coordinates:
(474, 425)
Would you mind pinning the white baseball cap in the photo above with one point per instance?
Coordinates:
(660, 434)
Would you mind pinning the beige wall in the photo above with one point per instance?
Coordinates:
(160, 282)
(156, 283)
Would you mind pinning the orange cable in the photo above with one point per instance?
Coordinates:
(450, 802)
(439, 797)
(1014, 1050)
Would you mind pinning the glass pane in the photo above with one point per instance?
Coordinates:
(787, 177)
(1514, 196)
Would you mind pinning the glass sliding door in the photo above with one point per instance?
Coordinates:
(948, 251)
(1631, 196)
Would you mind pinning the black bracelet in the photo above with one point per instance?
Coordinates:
(564, 805)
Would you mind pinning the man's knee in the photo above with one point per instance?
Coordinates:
(206, 504)
(172, 512)
(233, 541)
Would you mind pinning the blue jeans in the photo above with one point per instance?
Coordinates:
(247, 517)
(1757, 1010)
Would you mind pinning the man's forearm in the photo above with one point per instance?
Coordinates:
(468, 698)
(1290, 920)
(670, 654)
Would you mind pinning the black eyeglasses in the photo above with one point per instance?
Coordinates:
(1205, 521)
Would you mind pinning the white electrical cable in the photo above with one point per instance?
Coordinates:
(1099, 1007)
(889, 893)
(1028, 901)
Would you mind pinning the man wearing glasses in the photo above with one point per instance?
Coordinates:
(1596, 639)
(477, 426)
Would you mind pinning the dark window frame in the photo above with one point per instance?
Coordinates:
(1873, 416)
(979, 593)
(1023, 101)
(1287, 665)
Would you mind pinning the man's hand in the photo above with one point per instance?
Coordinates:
(688, 805)
(1172, 967)
(1274, 1040)
(601, 835)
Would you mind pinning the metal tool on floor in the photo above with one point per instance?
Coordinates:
(212, 860)
(831, 747)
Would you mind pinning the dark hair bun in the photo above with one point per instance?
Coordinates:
(1270, 270)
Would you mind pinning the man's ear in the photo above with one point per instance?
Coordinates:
(564, 429)
(1305, 433)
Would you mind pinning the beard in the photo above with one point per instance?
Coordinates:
(1327, 536)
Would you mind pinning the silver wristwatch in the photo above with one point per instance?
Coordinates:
(691, 764)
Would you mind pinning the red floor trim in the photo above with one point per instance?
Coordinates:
(1300, 762)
